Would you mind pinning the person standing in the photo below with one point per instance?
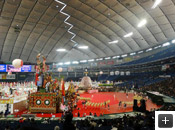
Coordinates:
(108, 107)
(125, 106)
(120, 104)
(78, 114)
(127, 95)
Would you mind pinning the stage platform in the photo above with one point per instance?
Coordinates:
(99, 97)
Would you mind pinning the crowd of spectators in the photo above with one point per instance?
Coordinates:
(138, 122)
(166, 87)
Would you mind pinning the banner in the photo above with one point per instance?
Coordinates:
(111, 73)
(110, 62)
(128, 73)
(2, 76)
(5, 76)
(102, 63)
(117, 72)
(6, 101)
(122, 73)
(12, 76)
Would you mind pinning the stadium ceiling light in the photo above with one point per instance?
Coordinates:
(140, 52)
(107, 58)
(83, 61)
(132, 53)
(83, 47)
(75, 62)
(99, 59)
(91, 60)
(61, 50)
(60, 63)
(128, 35)
(124, 55)
(113, 42)
(142, 23)
(157, 47)
(149, 49)
(114, 57)
(173, 41)
(67, 63)
(156, 3)
(166, 44)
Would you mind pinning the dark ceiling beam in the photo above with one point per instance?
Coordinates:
(33, 29)
(1, 52)
(21, 29)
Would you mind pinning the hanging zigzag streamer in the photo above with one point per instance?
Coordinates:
(65, 21)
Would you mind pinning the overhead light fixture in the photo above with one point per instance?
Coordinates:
(107, 58)
(91, 60)
(140, 52)
(128, 35)
(114, 57)
(61, 50)
(149, 49)
(131, 54)
(67, 63)
(113, 42)
(166, 44)
(156, 3)
(142, 23)
(83, 47)
(75, 62)
(125, 55)
(60, 63)
(99, 59)
(157, 47)
(173, 41)
(83, 61)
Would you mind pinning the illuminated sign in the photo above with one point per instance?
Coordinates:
(3, 68)
(26, 68)
(11, 68)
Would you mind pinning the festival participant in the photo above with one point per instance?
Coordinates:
(105, 104)
(108, 107)
(120, 104)
(125, 105)
(127, 95)
(78, 114)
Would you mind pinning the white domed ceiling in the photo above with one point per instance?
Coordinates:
(29, 27)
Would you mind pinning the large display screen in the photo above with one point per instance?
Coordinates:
(11, 68)
(3, 68)
(26, 68)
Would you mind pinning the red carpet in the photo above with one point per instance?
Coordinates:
(102, 97)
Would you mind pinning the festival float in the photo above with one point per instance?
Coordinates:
(51, 96)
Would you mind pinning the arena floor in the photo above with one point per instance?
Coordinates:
(100, 97)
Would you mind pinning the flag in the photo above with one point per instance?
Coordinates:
(63, 91)
(36, 78)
